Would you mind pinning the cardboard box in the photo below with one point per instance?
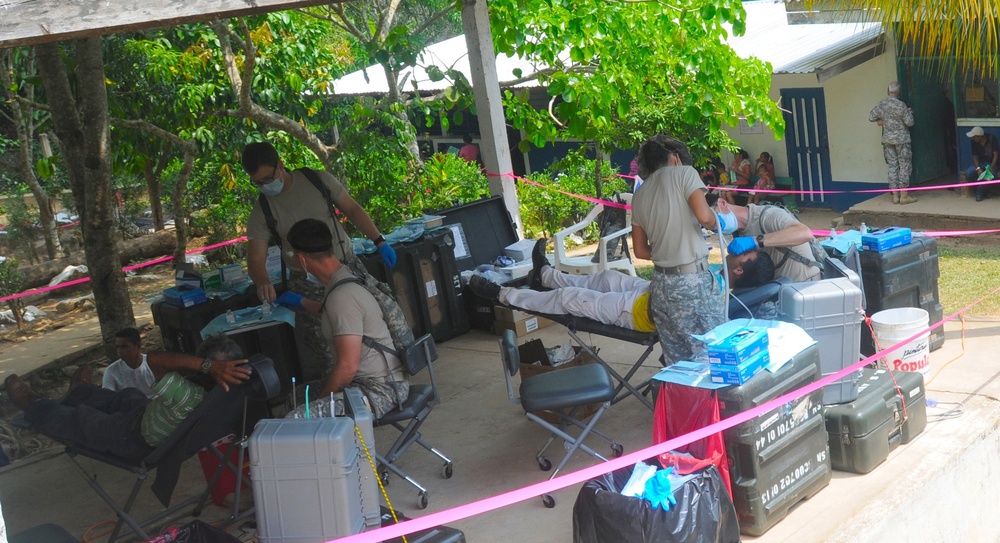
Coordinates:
(880, 241)
(738, 347)
(212, 279)
(534, 361)
(737, 375)
(520, 327)
(508, 314)
(520, 250)
(232, 274)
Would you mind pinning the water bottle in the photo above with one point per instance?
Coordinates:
(230, 318)
(863, 229)
(265, 308)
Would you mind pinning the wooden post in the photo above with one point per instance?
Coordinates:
(489, 107)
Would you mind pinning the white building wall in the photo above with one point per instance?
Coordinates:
(855, 143)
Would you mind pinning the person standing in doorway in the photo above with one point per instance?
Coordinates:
(470, 151)
(985, 156)
(896, 118)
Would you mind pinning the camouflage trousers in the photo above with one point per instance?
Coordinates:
(320, 358)
(899, 157)
(381, 396)
(682, 305)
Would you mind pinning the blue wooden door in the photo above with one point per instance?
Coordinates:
(806, 140)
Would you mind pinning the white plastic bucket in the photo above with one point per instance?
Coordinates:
(894, 325)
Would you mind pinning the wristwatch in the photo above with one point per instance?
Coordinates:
(206, 365)
(760, 241)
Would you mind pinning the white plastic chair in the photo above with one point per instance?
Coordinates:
(582, 265)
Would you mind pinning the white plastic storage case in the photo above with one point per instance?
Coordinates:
(831, 311)
(312, 481)
(355, 408)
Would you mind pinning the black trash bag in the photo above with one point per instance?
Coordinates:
(704, 513)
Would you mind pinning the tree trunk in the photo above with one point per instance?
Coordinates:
(152, 175)
(180, 211)
(598, 162)
(25, 125)
(85, 142)
(141, 248)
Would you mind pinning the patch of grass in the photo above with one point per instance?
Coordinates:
(966, 275)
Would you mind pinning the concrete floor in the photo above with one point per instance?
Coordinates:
(939, 487)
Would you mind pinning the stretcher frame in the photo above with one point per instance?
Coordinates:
(625, 388)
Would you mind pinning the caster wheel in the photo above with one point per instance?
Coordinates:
(544, 464)
(447, 472)
(548, 501)
(618, 449)
(423, 500)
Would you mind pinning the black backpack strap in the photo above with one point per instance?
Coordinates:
(272, 225)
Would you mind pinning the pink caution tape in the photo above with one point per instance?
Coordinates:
(546, 487)
(80, 281)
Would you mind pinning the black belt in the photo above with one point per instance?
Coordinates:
(683, 269)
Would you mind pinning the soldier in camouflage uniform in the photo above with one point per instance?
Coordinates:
(896, 118)
(349, 314)
(667, 217)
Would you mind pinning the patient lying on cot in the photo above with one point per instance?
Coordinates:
(609, 297)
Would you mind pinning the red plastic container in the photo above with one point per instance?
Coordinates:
(226, 484)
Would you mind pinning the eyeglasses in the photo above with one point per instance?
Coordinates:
(266, 180)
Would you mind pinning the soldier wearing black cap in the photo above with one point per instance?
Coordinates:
(348, 313)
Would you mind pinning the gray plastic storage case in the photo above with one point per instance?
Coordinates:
(306, 482)
(831, 312)
(355, 408)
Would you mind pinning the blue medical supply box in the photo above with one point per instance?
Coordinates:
(184, 296)
(887, 238)
(741, 373)
(738, 347)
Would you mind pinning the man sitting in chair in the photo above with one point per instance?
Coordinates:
(126, 423)
(609, 297)
(349, 314)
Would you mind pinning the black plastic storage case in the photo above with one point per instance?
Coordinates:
(906, 276)
(180, 327)
(483, 229)
(830, 311)
(427, 284)
(865, 431)
(781, 457)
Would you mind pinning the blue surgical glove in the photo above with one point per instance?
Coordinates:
(388, 254)
(289, 299)
(658, 490)
(741, 245)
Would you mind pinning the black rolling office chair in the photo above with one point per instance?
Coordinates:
(554, 392)
(409, 417)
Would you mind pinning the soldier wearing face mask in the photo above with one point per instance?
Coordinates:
(289, 196)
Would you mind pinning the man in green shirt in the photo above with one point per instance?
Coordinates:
(126, 423)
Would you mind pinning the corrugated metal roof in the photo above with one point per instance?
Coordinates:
(801, 48)
(451, 53)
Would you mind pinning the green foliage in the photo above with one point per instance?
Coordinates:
(446, 181)
(545, 211)
(12, 282)
(375, 164)
(22, 235)
(633, 69)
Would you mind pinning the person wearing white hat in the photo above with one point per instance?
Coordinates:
(985, 155)
(896, 118)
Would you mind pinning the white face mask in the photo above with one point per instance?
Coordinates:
(729, 222)
(273, 188)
